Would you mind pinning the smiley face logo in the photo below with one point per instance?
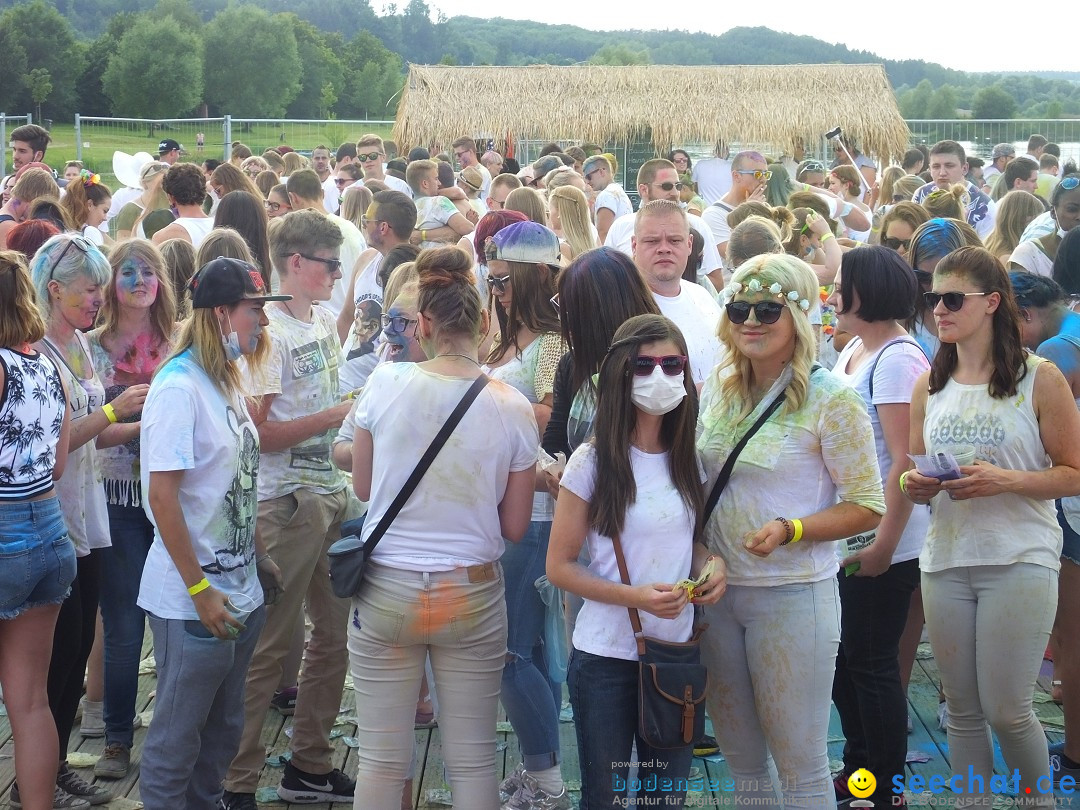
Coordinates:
(861, 783)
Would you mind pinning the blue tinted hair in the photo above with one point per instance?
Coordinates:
(1033, 290)
(935, 238)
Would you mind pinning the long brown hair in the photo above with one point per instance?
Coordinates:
(163, 310)
(530, 306)
(983, 269)
(616, 416)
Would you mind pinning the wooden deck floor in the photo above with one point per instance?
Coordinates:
(430, 791)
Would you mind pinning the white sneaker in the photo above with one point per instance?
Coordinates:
(93, 720)
(943, 715)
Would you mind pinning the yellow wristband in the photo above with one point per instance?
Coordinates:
(198, 587)
(903, 481)
(796, 524)
(826, 237)
(423, 235)
(109, 412)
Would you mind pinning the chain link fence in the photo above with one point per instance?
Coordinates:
(978, 137)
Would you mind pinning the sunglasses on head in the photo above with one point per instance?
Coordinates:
(894, 243)
(953, 301)
(368, 156)
(80, 242)
(669, 186)
(499, 283)
(1069, 183)
(671, 364)
(764, 311)
(758, 173)
(813, 167)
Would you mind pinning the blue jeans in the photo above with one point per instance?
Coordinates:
(866, 686)
(122, 567)
(604, 694)
(37, 560)
(198, 714)
(531, 699)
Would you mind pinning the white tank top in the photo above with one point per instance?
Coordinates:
(197, 228)
(1000, 529)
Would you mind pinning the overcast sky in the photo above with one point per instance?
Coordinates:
(870, 27)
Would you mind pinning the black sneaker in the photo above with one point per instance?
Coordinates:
(285, 701)
(301, 787)
(237, 801)
(706, 747)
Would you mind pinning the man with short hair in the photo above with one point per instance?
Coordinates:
(28, 145)
(388, 222)
(749, 174)
(661, 244)
(438, 220)
(465, 152)
(305, 191)
(1036, 146)
(712, 176)
(1049, 168)
(303, 500)
(611, 201)
(658, 179)
(999, 159)
(948, 165)
(346, 153)
(501, 186)
(370, 153)
(493, 162)
(1021, 174)
(169, 151)
(912, 162)
(320, 164)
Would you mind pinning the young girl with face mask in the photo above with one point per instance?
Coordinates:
(637, 479)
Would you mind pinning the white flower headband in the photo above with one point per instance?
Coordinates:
(754, 285)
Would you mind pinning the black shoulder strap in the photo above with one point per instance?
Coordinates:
(873, 368)
(425, 462)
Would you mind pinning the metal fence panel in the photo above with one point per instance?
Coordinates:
(260, 134)
(97, 137)
(979, 136)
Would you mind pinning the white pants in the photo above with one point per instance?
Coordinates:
(989, 626)
(771, 653)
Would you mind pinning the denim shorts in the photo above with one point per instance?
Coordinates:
(37, 559)
(1070, 545)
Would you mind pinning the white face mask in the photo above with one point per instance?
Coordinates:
(231, 343)
(659, 393)
(1061, 233)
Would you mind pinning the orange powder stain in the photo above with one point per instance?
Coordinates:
(444, 603)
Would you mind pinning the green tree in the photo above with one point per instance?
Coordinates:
(994, 102)
(37, 33)
(156, 72)
(943, 103)
(182, 12)
(915, 103)
(92, 98)
(621, 53)
(322, 75)
(373, 79)
(40, 84)
(1054, 109)
(252, 62)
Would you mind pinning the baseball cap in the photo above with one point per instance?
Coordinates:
(1003, 150)
(167, 145)
(224, 282)
(419, 153)
(526, 242)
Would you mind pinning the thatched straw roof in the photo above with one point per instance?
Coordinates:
(775, 104)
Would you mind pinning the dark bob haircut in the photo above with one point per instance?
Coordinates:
(885, 283)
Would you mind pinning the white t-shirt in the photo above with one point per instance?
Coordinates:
(187, 424)
(433, 212)
(1032, 258)
(697, 314)
(452, 519)
(894, 380)
(1039, 227)
(330, 194)
(94, 235)
(615, 200)
(358, 356)
(302, 371)
(657, 540)
(713, 178)
(351, 248)
(715, 216)
(622, 229)
(485, 186)
(397, 184)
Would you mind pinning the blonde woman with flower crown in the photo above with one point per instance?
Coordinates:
(806, 478)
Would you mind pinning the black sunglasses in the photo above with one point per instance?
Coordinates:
(669, 186)
(332, 265)
(498, 283)
(764, 311)
(671, 364)
(953, 301)
(894, 243)
(397, 323)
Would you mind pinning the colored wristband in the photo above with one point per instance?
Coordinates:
(423, 235)
(797, 525)
(826, 236)
(198, 587)
(903, 481)
(109, 412)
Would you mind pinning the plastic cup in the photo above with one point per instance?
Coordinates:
(240, 605)
(963, 453)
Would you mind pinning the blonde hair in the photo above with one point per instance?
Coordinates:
(255, 160)
(908, 185)
(1015, 210)
(223, 242)
(752, 237)
(354, 203)
(574, 219)
(202, 334)
(294, 162)
(34, 183)
(790, 273)
(163, 310)
(947, 203)
(179, 258)
(403, 280)
(527, 201)
(889, 178)
(20, 319)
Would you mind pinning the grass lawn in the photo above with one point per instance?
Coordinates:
(104, 139)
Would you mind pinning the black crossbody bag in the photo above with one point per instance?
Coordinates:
(349, 556)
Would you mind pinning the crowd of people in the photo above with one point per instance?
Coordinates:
(195, 408)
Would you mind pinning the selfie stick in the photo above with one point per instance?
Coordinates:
(834, 135)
